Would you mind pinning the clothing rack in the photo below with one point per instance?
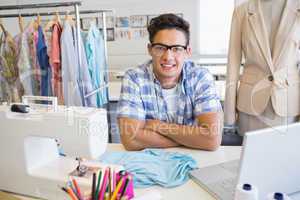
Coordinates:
(77, 18)
(76, 12)
(76, 4)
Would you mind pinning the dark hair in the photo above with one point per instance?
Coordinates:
(168, 21)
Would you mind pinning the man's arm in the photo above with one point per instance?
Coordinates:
(134, 136)
(207, 135)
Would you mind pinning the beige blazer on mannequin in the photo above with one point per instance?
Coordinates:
(266, 75)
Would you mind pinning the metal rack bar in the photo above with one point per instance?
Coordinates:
(102, 87)
(42, 5)
(52, 13)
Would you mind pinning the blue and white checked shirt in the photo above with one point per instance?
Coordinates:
(141, 95)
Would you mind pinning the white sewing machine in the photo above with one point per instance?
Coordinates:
(30, 160)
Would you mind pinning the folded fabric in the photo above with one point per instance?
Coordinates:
(153, 166)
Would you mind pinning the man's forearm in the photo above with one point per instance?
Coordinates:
(192, 136)
(154, 139)
(134, 136)
(149, 139)
(203, 136)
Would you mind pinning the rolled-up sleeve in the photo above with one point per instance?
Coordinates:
(206, 98)
(130, 103)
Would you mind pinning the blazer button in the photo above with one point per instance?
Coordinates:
(270, 78)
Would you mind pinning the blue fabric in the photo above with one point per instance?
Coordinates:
(141, 95)
(85, 81)
(94, 48)
(43, 59)
(76, 78)
(153, 166)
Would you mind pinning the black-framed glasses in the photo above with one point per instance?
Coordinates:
(159, 49)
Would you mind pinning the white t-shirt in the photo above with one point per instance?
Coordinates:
(171, 96)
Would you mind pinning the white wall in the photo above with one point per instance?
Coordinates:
(129, 53)
(123, 54)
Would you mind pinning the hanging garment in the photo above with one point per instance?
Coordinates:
(2, 97)
(55, 60)
(153, 166)
(11, 87)
(26, 72)
(76, 78)
(85, 78)
(94, 48)
(69, 68)
(31, 40)
(44, 64)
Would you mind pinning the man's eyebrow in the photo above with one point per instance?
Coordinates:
(165, 45)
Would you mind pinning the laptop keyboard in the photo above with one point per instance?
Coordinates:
(224, 189)
(220, 179)
(232, 166)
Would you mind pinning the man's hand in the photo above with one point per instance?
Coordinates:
(161, 127)
(135, 136)
(153, 125)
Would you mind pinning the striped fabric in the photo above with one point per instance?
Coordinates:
(141, 95)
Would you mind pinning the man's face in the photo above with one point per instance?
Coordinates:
(168, 51)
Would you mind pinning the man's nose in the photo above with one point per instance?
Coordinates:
(168, 54)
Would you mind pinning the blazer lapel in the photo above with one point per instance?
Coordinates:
(286, 28)
(258, 27)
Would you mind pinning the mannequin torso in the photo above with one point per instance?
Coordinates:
(272, 11)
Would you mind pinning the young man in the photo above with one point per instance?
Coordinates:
(169, 101)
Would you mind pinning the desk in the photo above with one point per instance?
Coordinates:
(189, 190)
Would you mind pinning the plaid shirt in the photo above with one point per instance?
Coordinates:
(141, 95)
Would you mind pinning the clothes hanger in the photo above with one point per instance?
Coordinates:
(8, 37)
(21, 23)
(37, 22)
(57, 17)
(31, 23)
(69, 19)
(2, 27)
(54, 20)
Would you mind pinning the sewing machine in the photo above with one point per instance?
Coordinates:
(29, 151)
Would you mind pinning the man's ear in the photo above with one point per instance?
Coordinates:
(149, 49)
(189, 51)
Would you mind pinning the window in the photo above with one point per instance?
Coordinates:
(215, 22)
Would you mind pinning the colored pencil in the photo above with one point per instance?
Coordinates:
(126, 185)
(98, 184)
(71, 193)
(104, 184)
(94, 186)
(120, 183)
(77, 189)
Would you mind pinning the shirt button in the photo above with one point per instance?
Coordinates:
(270, 78)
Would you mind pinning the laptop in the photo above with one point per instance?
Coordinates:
(270, 160)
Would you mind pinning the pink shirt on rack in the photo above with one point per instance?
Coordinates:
(55, 61)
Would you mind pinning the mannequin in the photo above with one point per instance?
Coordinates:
(272, 11)
(258, 100)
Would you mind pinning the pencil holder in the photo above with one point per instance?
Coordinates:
(129, 190)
